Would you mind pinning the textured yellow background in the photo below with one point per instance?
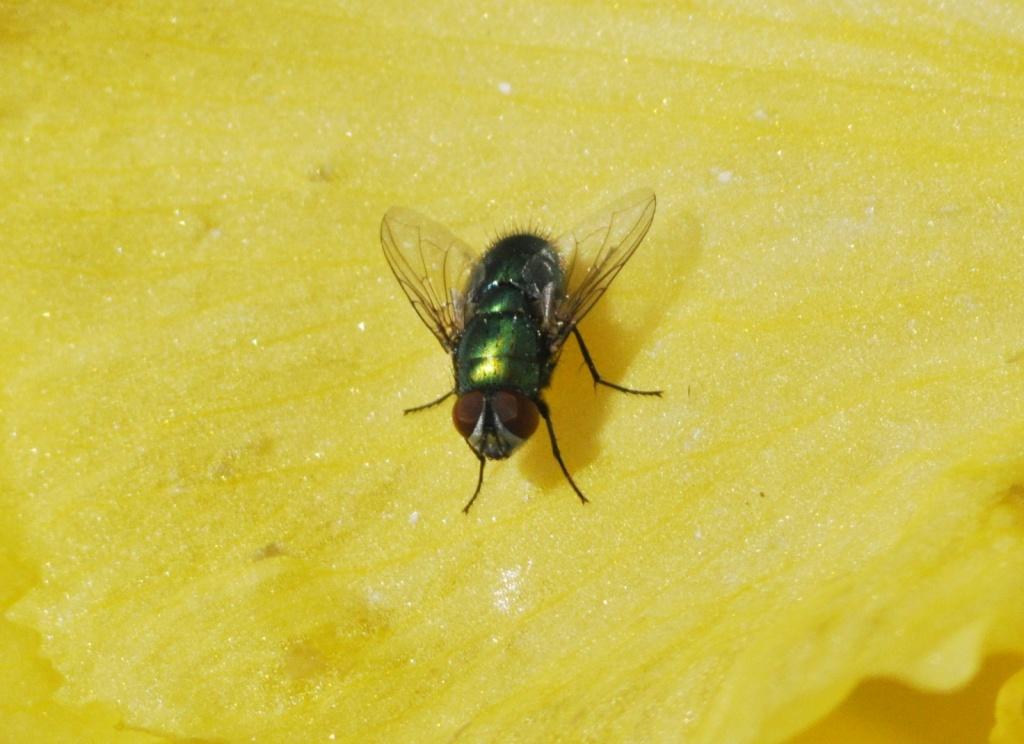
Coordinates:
(216, 522)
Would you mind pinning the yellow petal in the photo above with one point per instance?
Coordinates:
(1010, 712)
(220, 525)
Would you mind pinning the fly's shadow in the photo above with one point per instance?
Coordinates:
(579, 408)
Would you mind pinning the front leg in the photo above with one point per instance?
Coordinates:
(432, 403)
(545, 414)
(479, 480)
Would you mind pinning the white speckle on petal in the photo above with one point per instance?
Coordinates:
(507, 593)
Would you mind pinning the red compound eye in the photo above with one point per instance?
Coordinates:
(516, 412)
(467, 412)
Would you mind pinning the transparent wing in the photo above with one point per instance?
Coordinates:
(596, 250)
(432, 266)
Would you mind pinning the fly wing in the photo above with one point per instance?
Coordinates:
(432, 267)
(595, 251)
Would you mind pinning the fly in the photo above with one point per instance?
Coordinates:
(504, 316)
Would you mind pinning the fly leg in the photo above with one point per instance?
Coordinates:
(432, 403)
(598, 380)
(542, 407)
(479, 480)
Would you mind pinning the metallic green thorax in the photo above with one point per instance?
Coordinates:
(502, 345)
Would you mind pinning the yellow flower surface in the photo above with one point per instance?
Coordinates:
(215, 521)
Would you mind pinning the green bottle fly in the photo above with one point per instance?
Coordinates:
(505, 316)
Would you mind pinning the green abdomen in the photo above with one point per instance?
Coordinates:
(502, 345)
(500, 350)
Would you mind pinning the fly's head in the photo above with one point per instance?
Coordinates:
(495, 422)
